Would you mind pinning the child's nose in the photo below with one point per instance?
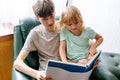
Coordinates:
(73, 26)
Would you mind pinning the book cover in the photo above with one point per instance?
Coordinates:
(59, 70)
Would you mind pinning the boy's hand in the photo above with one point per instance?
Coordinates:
(96, 64)
(42, 76)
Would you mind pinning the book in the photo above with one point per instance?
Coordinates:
(59, 70)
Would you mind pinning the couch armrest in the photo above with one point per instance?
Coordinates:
(16, 75)
(108, 68)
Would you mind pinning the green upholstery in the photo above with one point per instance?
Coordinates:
(108, 69)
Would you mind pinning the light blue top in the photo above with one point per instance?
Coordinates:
(77, 46)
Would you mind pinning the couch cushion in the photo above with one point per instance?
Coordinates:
(109, 67)
(32, 60)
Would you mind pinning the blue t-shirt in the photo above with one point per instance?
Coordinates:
(77, 46)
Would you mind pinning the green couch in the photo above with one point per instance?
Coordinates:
(108, 69)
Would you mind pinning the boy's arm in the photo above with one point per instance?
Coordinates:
(62, 51)
(21, 66)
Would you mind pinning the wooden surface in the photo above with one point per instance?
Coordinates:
(6, 50)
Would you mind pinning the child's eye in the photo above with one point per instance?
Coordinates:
(76, 23)
(69, 24)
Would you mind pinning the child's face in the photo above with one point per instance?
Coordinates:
(73, 27)
(48, 22)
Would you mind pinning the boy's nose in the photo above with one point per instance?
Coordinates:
(50, 21)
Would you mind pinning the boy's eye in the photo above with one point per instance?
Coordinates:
(45, 19)
(52, 16)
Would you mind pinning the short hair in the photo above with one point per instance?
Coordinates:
(43, 8)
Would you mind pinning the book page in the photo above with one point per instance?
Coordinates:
(61, 74)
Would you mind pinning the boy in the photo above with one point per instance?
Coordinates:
(43, 38)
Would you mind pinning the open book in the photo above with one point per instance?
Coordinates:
(59, 70)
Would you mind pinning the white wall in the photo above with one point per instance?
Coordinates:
(13, 10)
(104, 17)
(101, 15)
(59, 6)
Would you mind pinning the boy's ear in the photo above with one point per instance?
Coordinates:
(37, 18)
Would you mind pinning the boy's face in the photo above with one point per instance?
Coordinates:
(48, 22)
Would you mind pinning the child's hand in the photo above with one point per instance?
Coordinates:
(89, 56)
(92, 52)
(83, 61)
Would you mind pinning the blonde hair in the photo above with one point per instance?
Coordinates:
(70, 14)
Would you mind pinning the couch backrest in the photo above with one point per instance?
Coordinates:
(20, 34)
(26, 25)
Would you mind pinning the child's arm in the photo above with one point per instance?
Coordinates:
(62, 51)
(93, 47)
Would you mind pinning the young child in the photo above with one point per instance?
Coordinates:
(75, 37)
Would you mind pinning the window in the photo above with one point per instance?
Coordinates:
(11, 11)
